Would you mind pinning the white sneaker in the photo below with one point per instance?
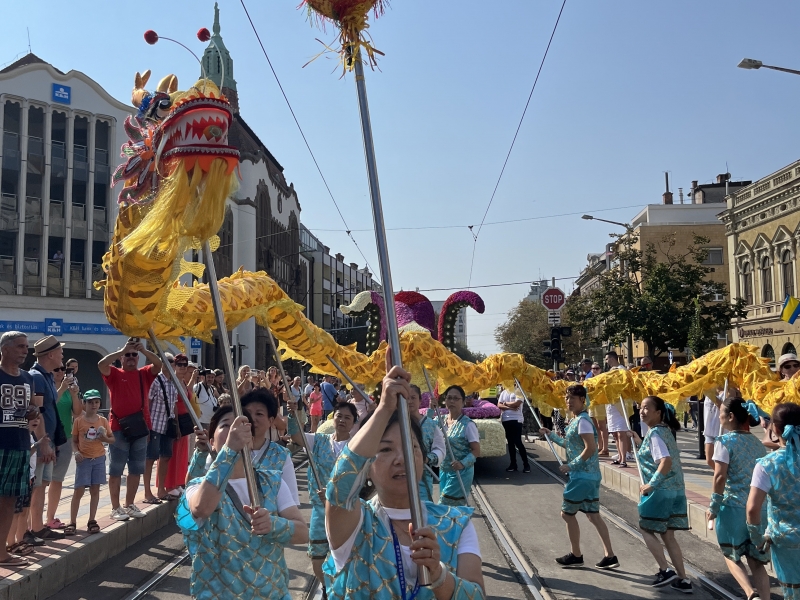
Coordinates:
(134, 512)
(120, 514)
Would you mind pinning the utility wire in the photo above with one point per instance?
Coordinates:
(514, 140)
(314, 158)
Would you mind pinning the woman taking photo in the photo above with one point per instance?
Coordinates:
(662, 505)
(237, 552)
(735, 456)
(777, 475)
(465, 442)
(582, 493)
(374, 552)
(325, 448)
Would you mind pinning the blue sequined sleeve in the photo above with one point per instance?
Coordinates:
(347, 478)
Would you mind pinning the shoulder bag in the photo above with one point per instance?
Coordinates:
(134, 427)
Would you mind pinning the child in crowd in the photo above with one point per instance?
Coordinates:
(15, 542)
(89, 432)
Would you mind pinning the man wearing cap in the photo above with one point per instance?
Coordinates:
(128, 388)
(49, 353)
(788, 365)
(17, 391)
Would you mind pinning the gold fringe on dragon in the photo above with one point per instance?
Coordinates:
(179, 171)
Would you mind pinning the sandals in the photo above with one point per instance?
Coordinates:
(152, 500)
(169, 497)
(93, 527)
(616, 461)
(70, 529)
(623, 465)
(20, 549)
(15, 561)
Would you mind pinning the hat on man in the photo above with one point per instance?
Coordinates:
(786, 358)
(91, 395)
(45, 345)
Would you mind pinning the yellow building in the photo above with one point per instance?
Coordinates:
(762, 225)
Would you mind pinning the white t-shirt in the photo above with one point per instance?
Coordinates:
(760, 479)
(658, 448)
(721, 454)
(585, 426)
(206, 400)
(471, 432)
(467, 543)
(287, 475)
(337, 446)
(438, 447)
(710, 420)
(510, 414)
(285, 499)
(308, 389)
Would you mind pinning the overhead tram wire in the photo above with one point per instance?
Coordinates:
(513, 141)
(308, 146)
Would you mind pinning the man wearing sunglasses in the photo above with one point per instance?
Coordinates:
(128, 388)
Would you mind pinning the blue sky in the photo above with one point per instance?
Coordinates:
(630, 89)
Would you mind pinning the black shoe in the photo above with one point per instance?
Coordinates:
(664, 577)
(511, 469)
(526, 469)
(48, 534)
(32, 540)
(682, 585)
(608, 562)
(570, 560)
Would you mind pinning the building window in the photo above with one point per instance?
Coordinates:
(788, 348)
(714, 256)
(747, 284)
(768, 352)
(787, 268)
(766, 280)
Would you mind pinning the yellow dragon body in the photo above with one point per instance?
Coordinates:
(178, 175)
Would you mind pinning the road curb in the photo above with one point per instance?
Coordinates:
(73, 558)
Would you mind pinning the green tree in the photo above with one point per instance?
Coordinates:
(652, 295)
(524, 333)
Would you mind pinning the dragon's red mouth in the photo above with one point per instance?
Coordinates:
(198, 127)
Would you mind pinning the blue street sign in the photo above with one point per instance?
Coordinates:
(62, 93)
(58, 327)
(196, 344)
(53, 326)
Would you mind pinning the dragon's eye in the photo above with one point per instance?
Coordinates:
(162, 107)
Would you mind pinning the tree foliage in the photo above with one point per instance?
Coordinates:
(524, 332)
(652, 295)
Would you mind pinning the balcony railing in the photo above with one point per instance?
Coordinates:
(99, 214)
(78, 212)
(31, 267)
(11, 153)
(7, 268)
(35, 146)
(100, 156)
(8, 202)
(56, 209)
(33, 207)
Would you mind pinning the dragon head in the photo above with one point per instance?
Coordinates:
(178, 161)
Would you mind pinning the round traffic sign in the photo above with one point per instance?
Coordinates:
(553, 299)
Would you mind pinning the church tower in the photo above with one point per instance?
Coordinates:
(218, 64)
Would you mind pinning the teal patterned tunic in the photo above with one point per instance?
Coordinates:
(665, 507)
(371, 569)
(274, 457)
(450, 492)
(648, 466)
(228, 560)
(428, 432)
(574, 445)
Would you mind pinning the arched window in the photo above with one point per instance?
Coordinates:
(766, 280)
(768, 352)
(788, 348)
(747, 284)
(787, 272)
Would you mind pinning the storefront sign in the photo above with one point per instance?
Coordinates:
(62, 93)
(761, 331)
(58, 327)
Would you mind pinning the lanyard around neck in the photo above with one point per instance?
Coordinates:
(401, 575)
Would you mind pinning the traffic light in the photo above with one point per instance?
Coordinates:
(555, 344)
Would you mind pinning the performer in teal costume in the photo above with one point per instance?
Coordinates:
(373, 554)
(237, 552)
(735, 456)
(582, 492)
(777, 475)
(466, 446)
(325, 448)
(432, 440)
(662, 505)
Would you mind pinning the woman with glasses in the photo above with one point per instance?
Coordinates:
(465, 442)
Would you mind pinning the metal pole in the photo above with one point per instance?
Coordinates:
(222, 332)
(175, 381)
(311, 464)
(724, 397)
(348, 379)
(393, 335)
(535, 416)
(633, 443)
(444, 433)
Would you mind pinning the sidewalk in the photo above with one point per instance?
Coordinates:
(60, 562)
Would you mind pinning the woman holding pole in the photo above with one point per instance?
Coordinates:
(466, 445)
(375, 552)
(325, 449)
(735, 455)
(777, 475)
(662, 505)
(582, 492)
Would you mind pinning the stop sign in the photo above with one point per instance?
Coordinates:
(553, 299)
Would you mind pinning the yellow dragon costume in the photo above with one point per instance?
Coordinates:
(179, 172)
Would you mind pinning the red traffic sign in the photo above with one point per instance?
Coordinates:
(553, 299)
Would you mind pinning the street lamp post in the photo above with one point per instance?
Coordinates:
(751, 63)
(628, 232)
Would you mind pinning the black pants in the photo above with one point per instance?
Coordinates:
(514, 439)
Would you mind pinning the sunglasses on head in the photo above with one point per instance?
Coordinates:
(131, 355)
(59, 369)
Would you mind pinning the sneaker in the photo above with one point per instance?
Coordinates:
(682, 585)
(570, 560)
(134, 512)
(664, 577)
(32, 540)
(511, 469)
(526, 469)
(608, 562)
(120, 514)
(48, 534)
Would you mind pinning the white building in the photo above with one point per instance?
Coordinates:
(61, 138)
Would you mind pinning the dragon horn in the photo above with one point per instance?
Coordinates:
(168, 84)
(139, 92)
